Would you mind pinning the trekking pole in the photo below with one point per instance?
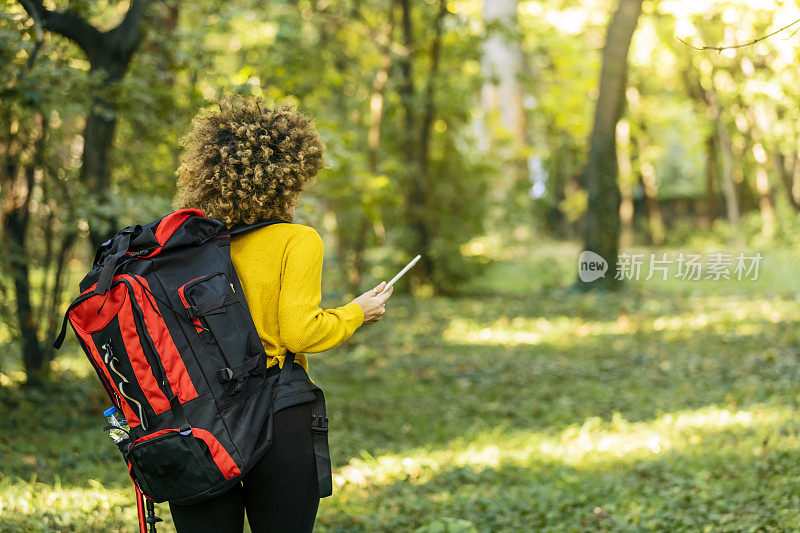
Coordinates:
(140, 509)
(151, 519)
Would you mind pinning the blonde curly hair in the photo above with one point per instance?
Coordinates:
(242, 163)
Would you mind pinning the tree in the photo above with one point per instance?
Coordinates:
(109, 54)
(363, 104)
(37, 229)
(502, 93)
(41, 104)
(602, 222)
(352, 197)
(418, 132)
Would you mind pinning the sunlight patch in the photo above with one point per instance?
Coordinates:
(595, 442)
(747, 316)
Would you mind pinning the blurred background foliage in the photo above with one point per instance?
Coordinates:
(459, 129)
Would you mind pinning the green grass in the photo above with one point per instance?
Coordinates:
(668, 406)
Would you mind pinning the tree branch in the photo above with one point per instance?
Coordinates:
(126, 36)
(67, 23)
(742, 45)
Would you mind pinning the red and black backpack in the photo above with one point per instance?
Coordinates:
(163, 319)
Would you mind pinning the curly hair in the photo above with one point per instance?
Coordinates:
(242, 163)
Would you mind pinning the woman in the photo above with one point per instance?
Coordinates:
(244, 163)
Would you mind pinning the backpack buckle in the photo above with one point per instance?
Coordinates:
(319, 424)
(191, 312)
(224, 375)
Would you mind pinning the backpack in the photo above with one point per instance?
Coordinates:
(163, 319)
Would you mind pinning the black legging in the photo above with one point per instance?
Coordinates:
(280, 493)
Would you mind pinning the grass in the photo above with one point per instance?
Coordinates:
(667, 406)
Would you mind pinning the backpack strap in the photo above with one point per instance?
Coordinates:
(286, 370)
(106, 275)
(319, 428)
(241, 229)
(110, 264)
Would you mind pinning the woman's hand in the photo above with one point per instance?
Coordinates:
(373, 305)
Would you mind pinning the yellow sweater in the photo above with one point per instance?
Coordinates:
(280, 268)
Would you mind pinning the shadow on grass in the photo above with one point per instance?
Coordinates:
(731, 470)
(407, 393)
(708, 469)
(410, 384)
(658, 495)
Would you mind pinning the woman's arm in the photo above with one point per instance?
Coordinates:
(304, 326)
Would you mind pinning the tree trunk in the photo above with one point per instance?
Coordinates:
(418, 133)
(19, 181)
(98, 137)
(765, 195)
(787, 174)
(765, 202)
(707, 98)
(357, 265)
(602, 223)
(415, 202)
(58, 278)
(626, 183)
(34, 358)
(406, 89)
(109, 54)
(502, 64)
(373, 145)
(712, 175)
(502, 93)
(654, 217)
(377, 93)
(727, 158)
